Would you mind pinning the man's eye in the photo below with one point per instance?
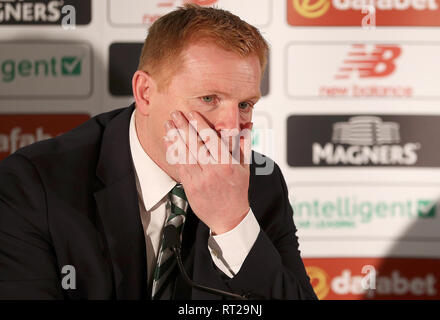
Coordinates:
(244, 105)
(208, 99)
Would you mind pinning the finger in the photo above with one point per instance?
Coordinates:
(246, 144)
(191, 137)
(177, 152)
(210, 138)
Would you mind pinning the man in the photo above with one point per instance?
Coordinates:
(93, 202)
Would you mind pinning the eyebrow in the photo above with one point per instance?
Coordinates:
(217, 92)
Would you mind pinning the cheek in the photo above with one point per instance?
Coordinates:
(213, 117)
(157, 119)
(245, 117)
(209, 116)
(162, 109)
(246, 114)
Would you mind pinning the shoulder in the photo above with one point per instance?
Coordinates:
(76, 141)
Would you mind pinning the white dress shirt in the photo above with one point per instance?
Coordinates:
(228, 250)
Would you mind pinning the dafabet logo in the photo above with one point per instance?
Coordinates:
(394, 278)
(319, 281)
(20, 130)
(311, 9)
(349, 12)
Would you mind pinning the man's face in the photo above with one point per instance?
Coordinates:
(220, 85)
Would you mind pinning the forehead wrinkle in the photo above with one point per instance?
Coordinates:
(228, 89)
(226, 78)
(236, 75)
(202, 64)
(222, 81)
(203, 75)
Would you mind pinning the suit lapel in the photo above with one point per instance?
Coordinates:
(118, 209)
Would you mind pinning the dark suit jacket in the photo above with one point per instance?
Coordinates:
(72, 200)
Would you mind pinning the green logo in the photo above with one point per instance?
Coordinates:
(70, 66)
(349, 212)
(426, 209)
(65, 66)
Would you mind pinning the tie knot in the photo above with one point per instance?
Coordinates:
(179, 203)
(179, 192)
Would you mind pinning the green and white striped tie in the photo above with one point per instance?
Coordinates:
(166, 266)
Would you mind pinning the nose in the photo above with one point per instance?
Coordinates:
(228, 118)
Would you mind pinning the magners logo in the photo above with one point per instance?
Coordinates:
(366, 140)
(362, 140)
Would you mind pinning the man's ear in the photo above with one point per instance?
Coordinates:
(142, 84)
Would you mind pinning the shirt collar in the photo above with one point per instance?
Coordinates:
(155, 183)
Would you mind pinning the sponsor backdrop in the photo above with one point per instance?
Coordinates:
(350, 111)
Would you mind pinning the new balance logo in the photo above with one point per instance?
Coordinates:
(378, 63)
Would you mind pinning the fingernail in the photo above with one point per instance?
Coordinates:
(168, 125)
(191, 115)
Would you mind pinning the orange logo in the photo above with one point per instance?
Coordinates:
(319, 280)
(20, 130)
(315, 10)
(349, 12)
(378, 63)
